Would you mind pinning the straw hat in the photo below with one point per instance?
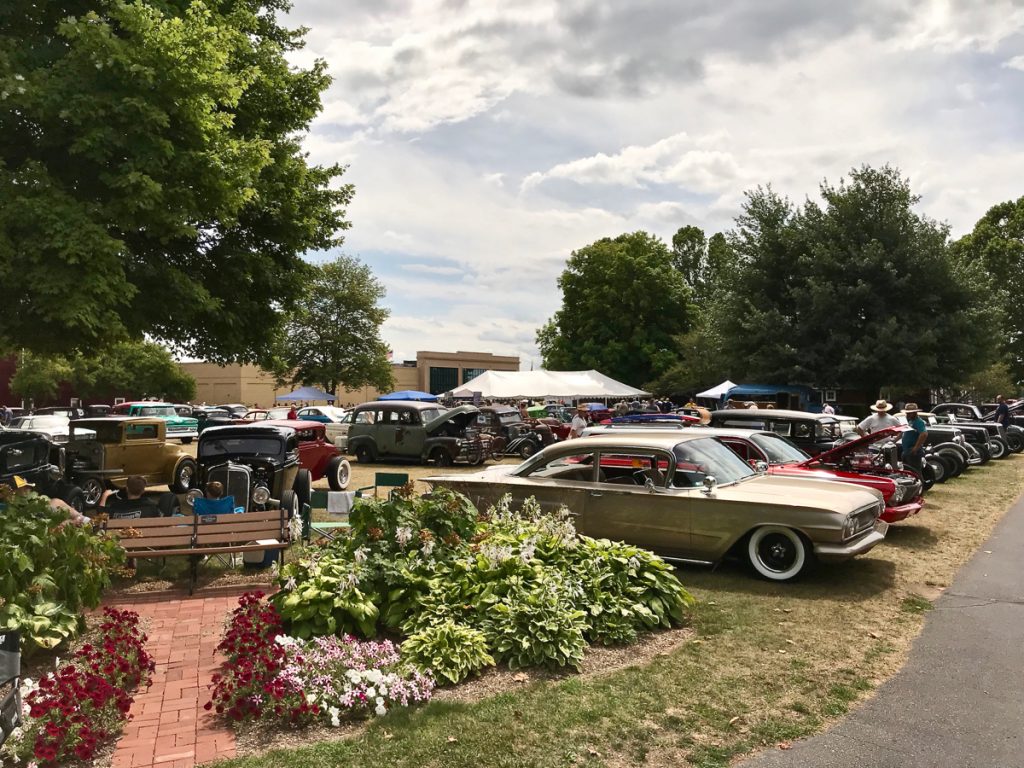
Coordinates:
(881, 406)
(911, 408)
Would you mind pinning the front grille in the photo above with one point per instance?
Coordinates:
(236, 479)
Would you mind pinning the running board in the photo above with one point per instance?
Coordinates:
(686, 560)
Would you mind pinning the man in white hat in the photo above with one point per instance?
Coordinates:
(880, 418)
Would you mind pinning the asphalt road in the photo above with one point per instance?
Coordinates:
(959, 701)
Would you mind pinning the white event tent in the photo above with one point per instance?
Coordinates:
(572, 385)
(716, 393)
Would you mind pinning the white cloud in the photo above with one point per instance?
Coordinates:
(1017, 62)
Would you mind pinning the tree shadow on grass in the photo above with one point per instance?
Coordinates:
(854, 580)
(912, 537)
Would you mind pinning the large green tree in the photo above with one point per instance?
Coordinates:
(38, 377)
(997, 244)
(858, 291)
(151, 176)
(332, 336)
(139, 369)
(623, 303)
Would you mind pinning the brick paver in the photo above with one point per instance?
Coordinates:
(169, 727)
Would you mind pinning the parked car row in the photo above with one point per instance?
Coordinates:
(779, 489)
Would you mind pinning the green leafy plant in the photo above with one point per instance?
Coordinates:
(451, 651)
(50, 570)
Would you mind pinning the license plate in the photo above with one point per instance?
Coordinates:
(881, 526)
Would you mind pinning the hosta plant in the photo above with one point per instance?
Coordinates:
(50, 570)
(451, 651)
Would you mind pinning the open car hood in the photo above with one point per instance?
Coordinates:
(460, 415)
(860, 444)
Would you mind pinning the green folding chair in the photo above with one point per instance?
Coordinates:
(392, 480)
(326, 529)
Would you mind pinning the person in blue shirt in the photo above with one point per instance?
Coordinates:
(1002, 411)
(913, 439)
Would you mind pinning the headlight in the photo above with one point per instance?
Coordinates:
(849, 526)
(191, 496)
(260, 494)
(60, 438)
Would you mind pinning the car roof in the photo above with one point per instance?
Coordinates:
(256, 429)
(118, 420)
(293, 423)
(142, 402)
(652, 439)
(736, 431)
(762, 413)
(418, 404)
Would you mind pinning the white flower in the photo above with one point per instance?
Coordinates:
(56, 663)
(380, 710)
(351, 581)
(428, 547)
(380, 701)
(295, 528)
(310, 698)
(360, 555)
(373, 675)
(290, 584)
(528, 549)
(371, 693)
(403, 536)
(335, 714)
(19, 77)
(383, 691)
(353, 676)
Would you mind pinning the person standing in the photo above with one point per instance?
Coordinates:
(1002, 411)
(292, 415)
(828, 410)
(880, 418)
(913, 440)
(579, 422)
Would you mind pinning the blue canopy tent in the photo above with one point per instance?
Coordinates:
(311, 394)
(410, 394)
(797, 397)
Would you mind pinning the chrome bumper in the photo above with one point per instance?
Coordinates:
(866, 542)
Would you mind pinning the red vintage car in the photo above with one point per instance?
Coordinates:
(853, 462)
(316, 453)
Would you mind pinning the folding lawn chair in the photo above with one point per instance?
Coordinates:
(225, 505)
(337, 504)
(392, 480)
(10, 675)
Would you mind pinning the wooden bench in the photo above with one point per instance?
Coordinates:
(196, 536)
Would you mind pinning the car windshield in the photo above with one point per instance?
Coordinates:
(429, 414)
(777, 449)
(696, 459)
(40, 422)
(157, 410)
(240, 446)
(509, 417)
(827, 430)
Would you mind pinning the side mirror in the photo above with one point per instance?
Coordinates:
(710, 485)
(760, 467)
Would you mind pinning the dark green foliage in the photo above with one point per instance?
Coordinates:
(622, 304)
(151, 177)
(997, 245)
(139, 368)
(858, 292)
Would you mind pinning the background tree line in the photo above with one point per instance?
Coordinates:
(855, 291)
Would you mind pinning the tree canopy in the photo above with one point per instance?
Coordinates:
(151, 177)
(857, 292)
(623, 302)
(331, 337)
(997, 245)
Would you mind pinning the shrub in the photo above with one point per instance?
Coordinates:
(524, 580)
(75, 710)
(50, 570)
(449, 650)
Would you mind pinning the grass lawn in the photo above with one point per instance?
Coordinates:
(767, 664)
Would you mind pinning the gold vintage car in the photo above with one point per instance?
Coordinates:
(688, 497)
(103, 452)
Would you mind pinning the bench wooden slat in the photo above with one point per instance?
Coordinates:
(147, 522)
(241, 538)
(241, 526)
(268, 514)
(183, 540)
(243, 548)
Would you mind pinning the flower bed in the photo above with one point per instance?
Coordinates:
(468, 589)
(72, 712)
(268, 674)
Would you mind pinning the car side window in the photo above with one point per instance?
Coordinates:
(633, 468)
(574, 467)
(741, 449)
(785, 429)
(802, 430)
(140, 432)
(364, 417)
(406, 418)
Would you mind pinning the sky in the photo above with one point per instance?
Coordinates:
(488, 140)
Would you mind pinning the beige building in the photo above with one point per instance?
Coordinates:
(434, 372)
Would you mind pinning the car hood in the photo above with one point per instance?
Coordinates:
(834, 454)
(460, 415)
(496, 473)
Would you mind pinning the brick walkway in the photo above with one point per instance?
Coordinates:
(169, 727)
